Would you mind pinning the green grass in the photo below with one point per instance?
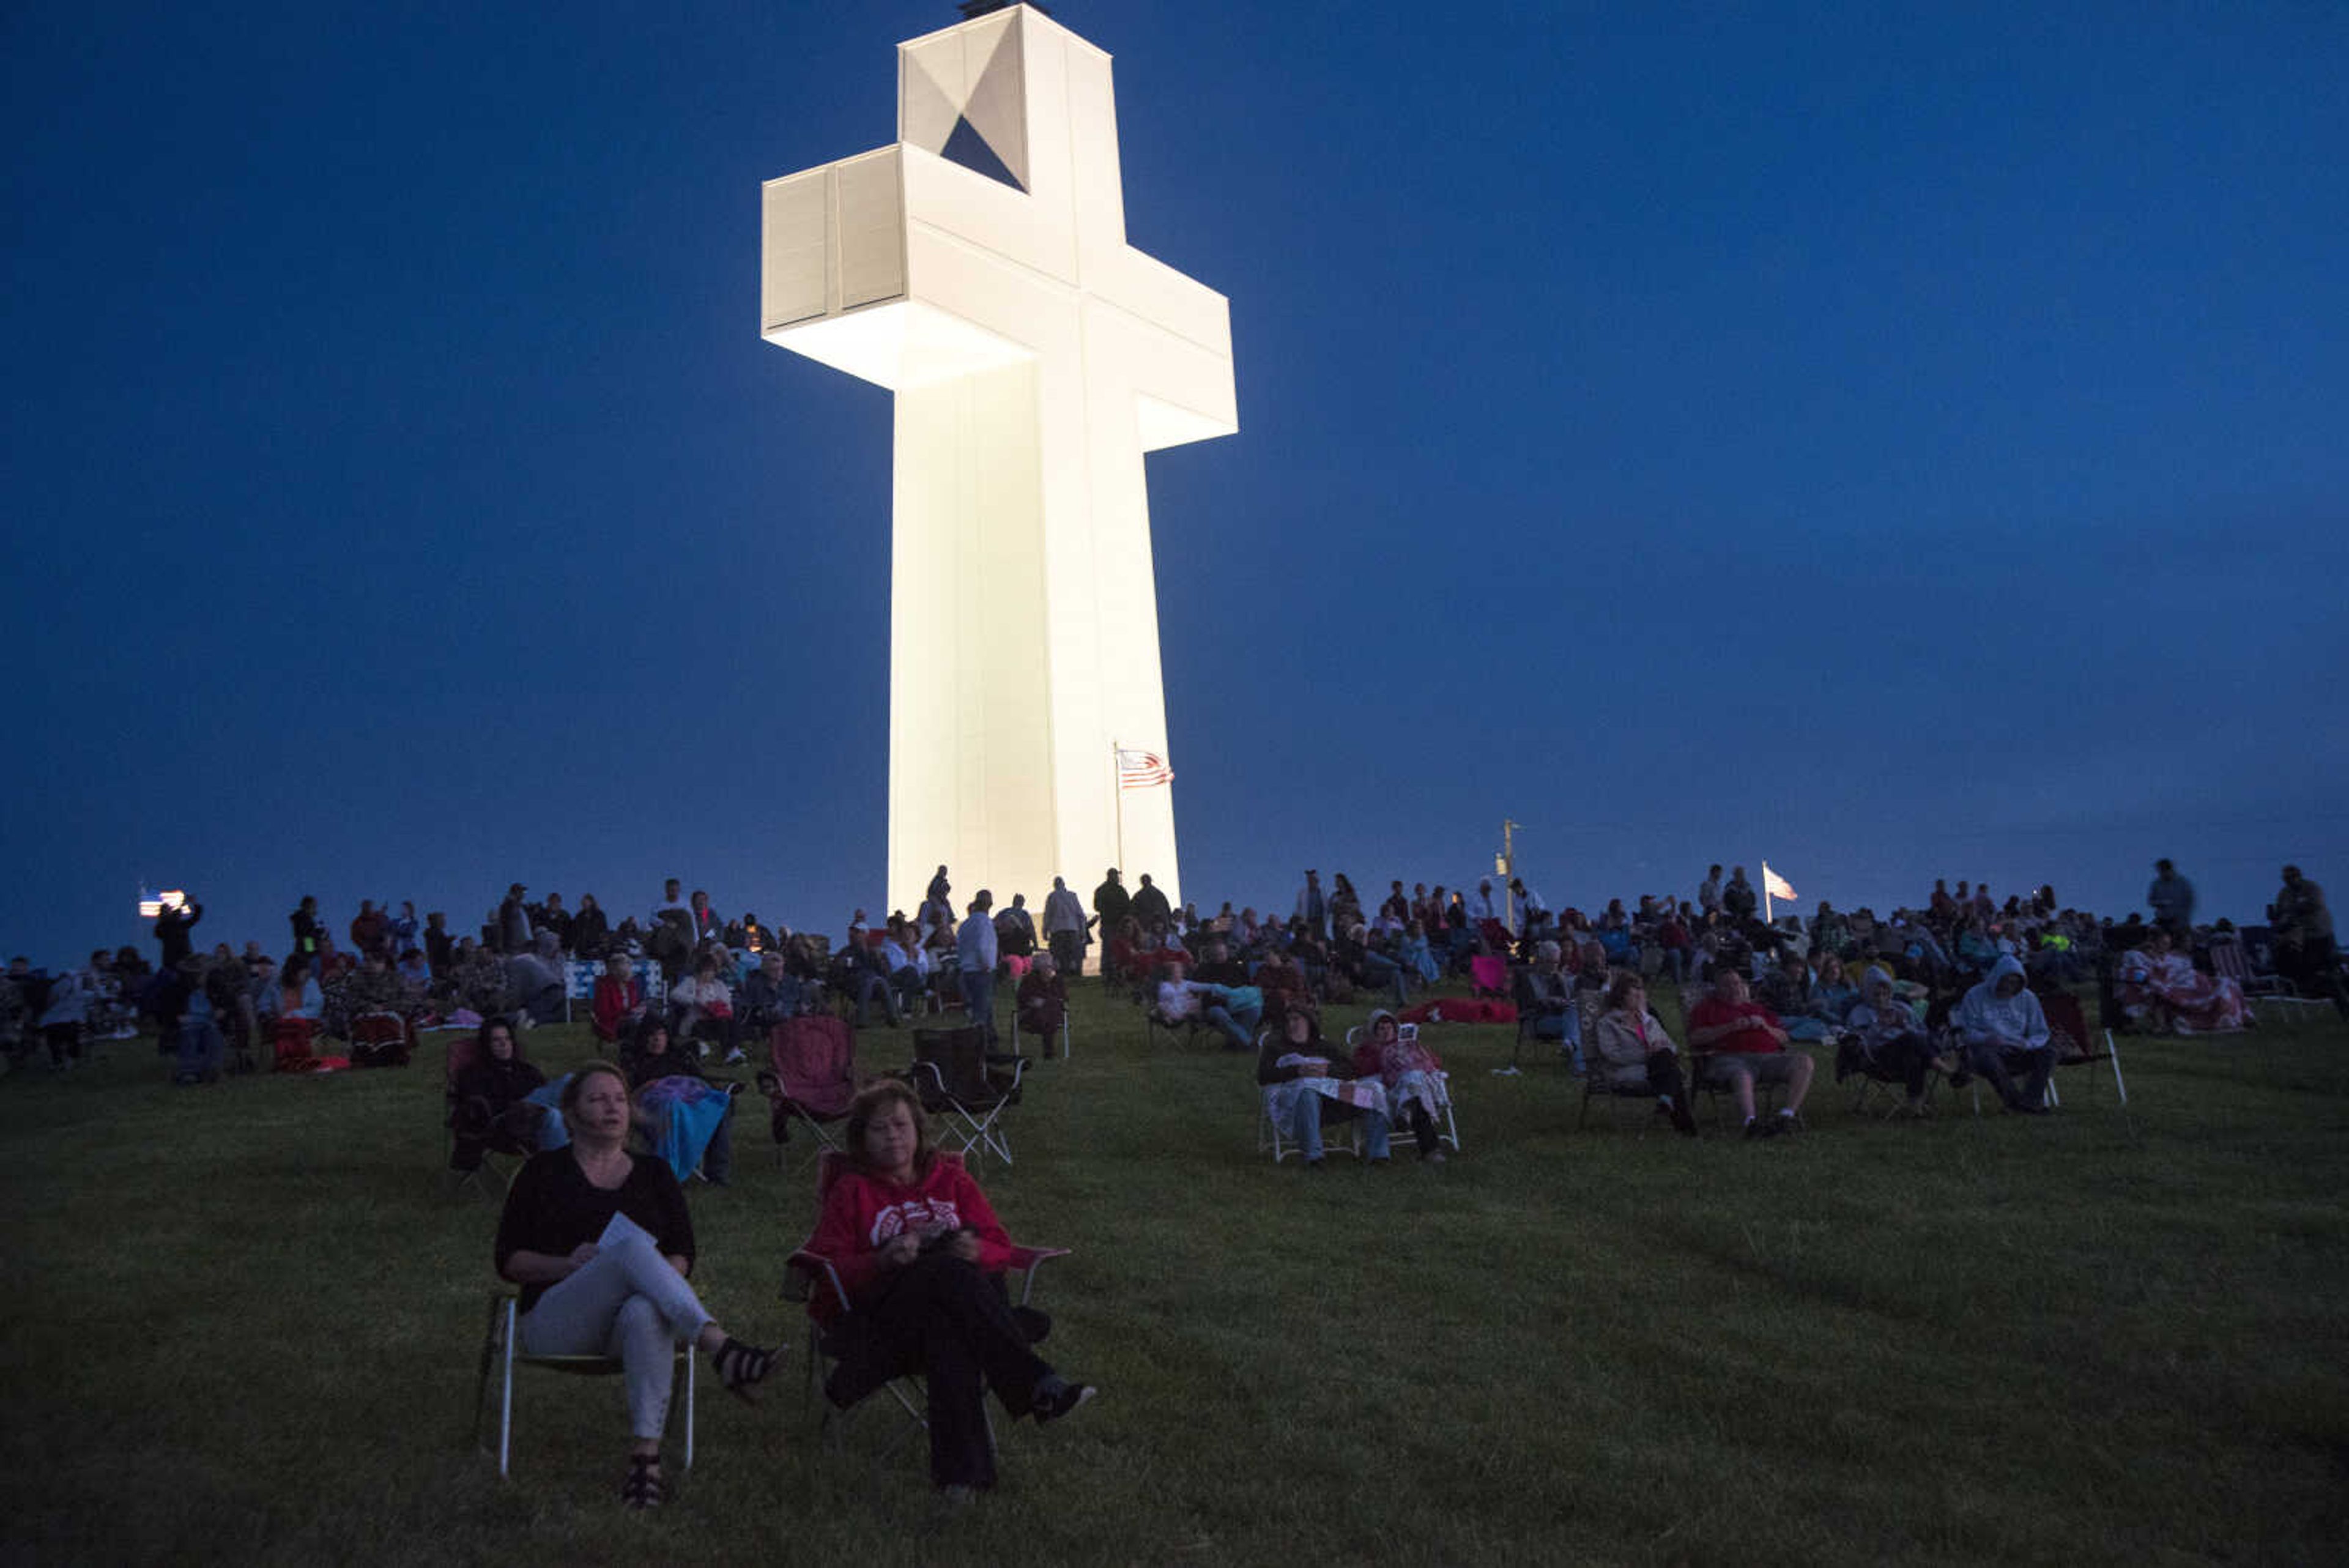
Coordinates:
(242, 1325)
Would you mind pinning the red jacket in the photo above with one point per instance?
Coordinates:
(862, 1213)
(614, 1002)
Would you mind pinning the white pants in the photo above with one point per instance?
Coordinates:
(627, 1304)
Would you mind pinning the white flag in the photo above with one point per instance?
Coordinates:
(1777, 887)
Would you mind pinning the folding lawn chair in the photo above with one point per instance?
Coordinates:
(2229, 961)
(813, 1077)
(2067, 1029)
(958, 1079)
(1341, 1124)
(379, 1039)
(1447, 1126)
(1488, 975)
(501, 1352)
(810, 1278)
(489, 1176)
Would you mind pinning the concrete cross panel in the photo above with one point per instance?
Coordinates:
(1035, 357)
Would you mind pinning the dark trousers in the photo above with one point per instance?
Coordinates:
(1068, 951)
(514, 1130)
(1997, 1066)
(952, 1324)
(1424, 1128)
(1664, 1077)
(1910, 1057)
(978, 1000)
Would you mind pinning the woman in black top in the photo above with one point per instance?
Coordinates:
(490, 1106)
(592, 1285)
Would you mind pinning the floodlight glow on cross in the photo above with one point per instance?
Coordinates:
(978, 268)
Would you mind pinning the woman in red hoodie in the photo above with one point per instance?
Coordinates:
(921, 1256)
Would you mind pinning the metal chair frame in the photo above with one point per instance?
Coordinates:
(804, 1272)
(499, 1353)
(970, 1115)
(1448, 1129)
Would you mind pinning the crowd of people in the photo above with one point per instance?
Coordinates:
(720, 978)
(596, 1234)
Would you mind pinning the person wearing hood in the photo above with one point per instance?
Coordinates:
(2006, 1030)
(1883, 1040)
(1412, 1076)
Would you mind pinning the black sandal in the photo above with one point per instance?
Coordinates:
(741, 1368)
(645, 1487)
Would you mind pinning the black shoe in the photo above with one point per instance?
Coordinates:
(1788, 1126)
(1760, 1126)
(1312, 1165)
(1055, 1397)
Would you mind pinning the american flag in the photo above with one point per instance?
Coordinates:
(1142, 770)
(1777, 887)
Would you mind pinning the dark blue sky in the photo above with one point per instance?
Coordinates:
(1895, 441)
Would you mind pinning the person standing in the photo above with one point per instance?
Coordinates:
(306, 932)
(2172, 899)
(1065, 927)
(1109, 905)
(1150, 906)
(514, 923)
(975, 959)
(2303, 929)
(171, 928)
(1313, 905)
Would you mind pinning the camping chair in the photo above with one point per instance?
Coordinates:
(1597, 1083)
(1447, 1125)
(810, 1278)
(956, 1077)
(2067, 1032)
(1341, 1124)
(2229, 961)
(379, 1039)
(1043, 1037)
(501, 1352)
(291, 1040)
(813, 1077)
(1488, 975)
(464, 1049)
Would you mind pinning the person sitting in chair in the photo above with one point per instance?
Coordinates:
(921, 1256)
(1548, 998)
(1745, 1044)
(1882, 1038)
(769, 995)
(687, 1119)
(535, 978)
(618, 1006)
(1233, 1011)
(586, 1291)
(701, 1002)
(1633, 1048)
(1303, 1084)
(1042, 1002)
(492, 1109)
(1409, 1072)
(2006, 1030)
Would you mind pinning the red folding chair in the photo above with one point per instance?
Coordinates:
(812, 1077)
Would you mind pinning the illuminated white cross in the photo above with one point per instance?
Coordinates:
(979, 269)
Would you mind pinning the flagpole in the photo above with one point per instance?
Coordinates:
(1117, 788)
(1765, 892)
